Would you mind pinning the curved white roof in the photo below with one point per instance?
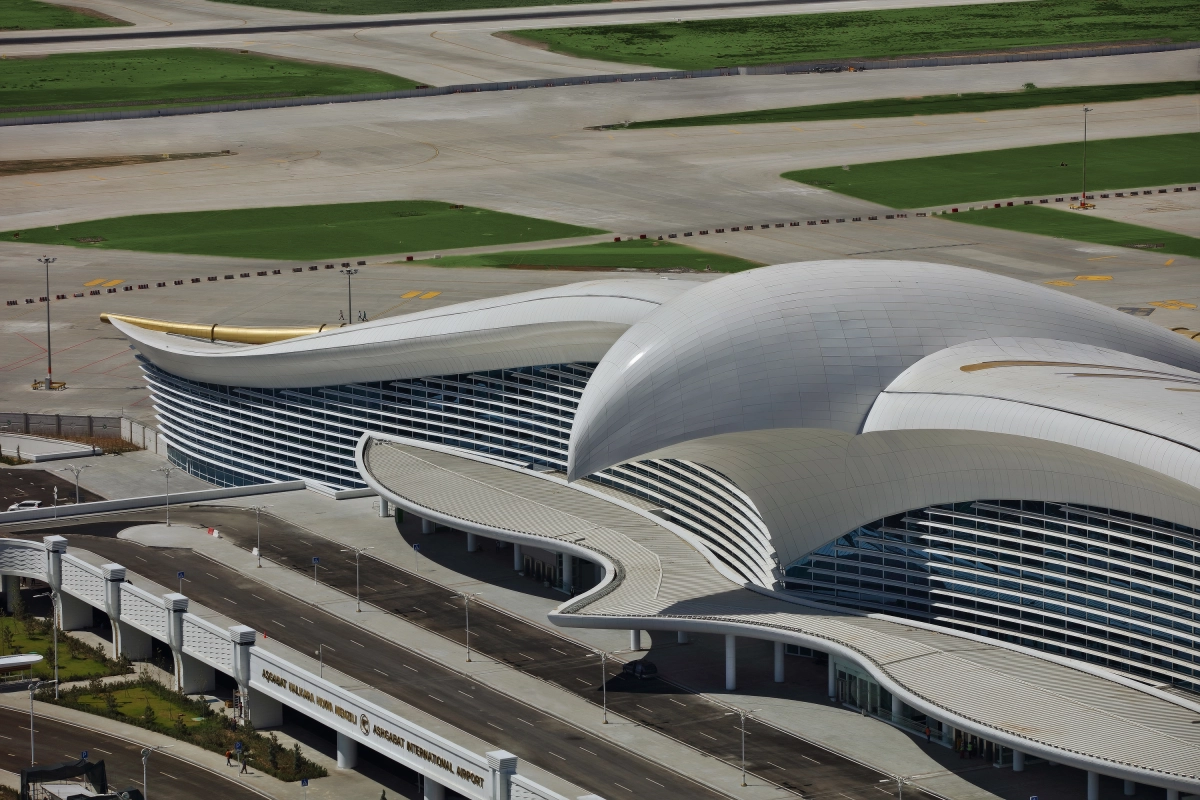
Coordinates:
(1133, 408)
(577, 322)
(812, 345)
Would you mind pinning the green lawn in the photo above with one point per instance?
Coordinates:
(308, 232)
(996, 174)
(635, 253)
(399, 6)
(975, 103)
(74, 82)
(30, 15)
(76, 661)
(706, 44)
(1080, 226)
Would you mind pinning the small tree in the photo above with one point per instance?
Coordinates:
(110, 701)
(148, 716)
(8, 640)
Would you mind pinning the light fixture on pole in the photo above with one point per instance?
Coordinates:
(258, 527)
(33, 687)
(467, 597)
(349, 273)
(1084, 205)
(604, 654)
(146, 751)
(76, 470)
(166, 471)
(46, 261)
(742, 714)
(321, 648)
(358, 551)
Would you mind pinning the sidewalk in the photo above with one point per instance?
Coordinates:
(115, 477)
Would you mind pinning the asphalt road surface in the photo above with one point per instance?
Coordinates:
(573, 754)
(773, 755)
(60, 741)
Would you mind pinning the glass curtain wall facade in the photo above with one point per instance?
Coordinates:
(1097, 584)
(233, 436)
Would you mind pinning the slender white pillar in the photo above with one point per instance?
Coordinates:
(681, 637)
(779, 652)
(1018, 761)
(832, 680)
(1093, 786)
(518, 561)
(568, 573)
(730, 662)
(385, 510)
(472, 543)
(433, 790)
(428, 526)
(1130, 788)
(635, 640)
(347, 752)
(897, 709)
(1172, 794)
(947, 734)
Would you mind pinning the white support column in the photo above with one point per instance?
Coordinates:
(635, 640)
(265, 711)
(779, 660)
(730, 662)
(1130, 788)
(832, 679)
(385, 509)
(472, 543)
(428, 526)
(432, 789)
(1093, 786)
(681, 637)
(1172, 794)
(12, 589)
(73, 613)
(1018, 761)
(897, 709)
(947, 734)
(347, 752)
(568, 573)
(503, 766)
(114, 575)
(518, 559)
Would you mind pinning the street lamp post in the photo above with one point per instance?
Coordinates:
(742, 714)
(1083, 195)
(358, 551)
(76, 470)
(166, 471)
(145, 760)
(349, 295)
(467, 597)
(46, 261)
(258, 527)
(33, 687)
(321, 648)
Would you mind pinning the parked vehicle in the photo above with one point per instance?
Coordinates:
(641, 669)
(25, 504)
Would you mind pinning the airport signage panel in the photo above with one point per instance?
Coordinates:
(443, 761)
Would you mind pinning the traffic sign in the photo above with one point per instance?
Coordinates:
(83, 755)
(316, 559)
(179, 574)
(417, 546)
(237, 746)
(304, 782)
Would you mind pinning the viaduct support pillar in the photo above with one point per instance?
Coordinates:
(832, 679)
(1130, 788)
(568, 573)
(1018, 761)
(1093, 786)
(681, 637)
(779, 654)
(730, 662)
(518, 559)
(427, 526)
(432, 789)
(635, 640)
(385, 509)
(347, 752)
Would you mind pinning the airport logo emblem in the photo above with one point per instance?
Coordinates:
(364, 725)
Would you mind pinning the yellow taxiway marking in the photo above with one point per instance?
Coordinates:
(1094, 277)
(1173, 305)
(922, 124)
(611, 136)
(113, 283)
(429, 295)
(30, 183)
(96, 282)
(410, 295)
(1169, 262)
(797, 129)
(1059, 283)
(857, 125)
(739, 133)
(1101, 258)
(96, 178)
(977, 119)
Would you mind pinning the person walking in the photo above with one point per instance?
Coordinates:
(228, 756)
(245, 762)
(928, 734)
(970, 749)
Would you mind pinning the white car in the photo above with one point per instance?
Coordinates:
(24, 504)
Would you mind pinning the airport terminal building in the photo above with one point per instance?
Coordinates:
(798, 453)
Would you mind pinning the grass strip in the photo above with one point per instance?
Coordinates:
(30, 15)
(1080, 226)
(399, 6)
(76, 661)
(630, 254)
(73, 82)
(705, 44)
(973, 103)
(307, 232)
(148, 704)
(1017, 172)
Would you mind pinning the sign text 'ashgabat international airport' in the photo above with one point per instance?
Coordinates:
(445, 762)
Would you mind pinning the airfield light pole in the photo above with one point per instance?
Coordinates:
(46, 261)
(76, 470)
(349, 273)
(258, 526)
(33, 687)
(166, 471)
(358, 551)
(145, 760)
(1083, 195)
(742, 714)
(467, 597)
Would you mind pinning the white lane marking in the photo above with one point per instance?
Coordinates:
(280, 624)
(556, 755)
(440, 700)
(381, 672)
(498, 625)
(309, 621)
(656, 783)
(555, 649)
(810, 759)
(527, 722)
(626, 788)
(584, 749)
(406, 666)
(354, 642)
(497, 727)
(676, 702)
(215, 578)
(252, 594)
